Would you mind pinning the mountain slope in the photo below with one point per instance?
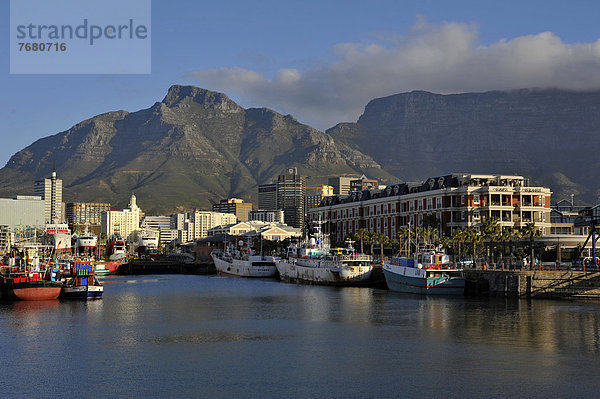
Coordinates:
(548, 135)
(193, 147)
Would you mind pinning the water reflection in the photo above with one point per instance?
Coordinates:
(302, 341)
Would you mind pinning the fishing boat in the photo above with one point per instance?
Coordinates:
(83, 284)
(243, 263)
(28, 286)
(427, 273)
(314, 262)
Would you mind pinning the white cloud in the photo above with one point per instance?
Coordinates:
(442, 58)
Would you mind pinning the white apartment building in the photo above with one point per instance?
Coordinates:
(121, 223)
(194, 225)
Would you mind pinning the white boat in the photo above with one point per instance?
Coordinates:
(147, 242)
(118, 250)
(316, 263)
(239, 264)
(428, 273)
(86, 244)
(59, 236)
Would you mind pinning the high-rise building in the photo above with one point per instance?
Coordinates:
(341, 184)
(290, 197)
(236, 206)
(51, 192)
(267, 196)
(287, 194)
(121, 223)
(82, 216)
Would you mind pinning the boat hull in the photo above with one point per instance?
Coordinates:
(82, 292)
(416, 281)
(342, 275)
(36, 293)
(244, 268)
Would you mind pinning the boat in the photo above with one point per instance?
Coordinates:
(147, 243)
(86, 244)
(83, 284)
(103, 267)
(242, 263)
(427, 273)
(314, 262)
(28, 286)
(58, 235)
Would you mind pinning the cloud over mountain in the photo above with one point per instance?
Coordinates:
(443, 58)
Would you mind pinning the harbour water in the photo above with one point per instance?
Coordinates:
(217, 337)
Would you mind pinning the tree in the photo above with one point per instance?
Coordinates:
(404, 234)
(532, 232)
(459, 236)
(382, 239)
(491, 231)
(473, 235)
(361, 235)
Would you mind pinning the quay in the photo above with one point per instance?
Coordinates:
(534, 283)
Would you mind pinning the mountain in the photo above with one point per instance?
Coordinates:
(547, 135)
(193, 147)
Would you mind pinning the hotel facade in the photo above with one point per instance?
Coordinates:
(456, 200)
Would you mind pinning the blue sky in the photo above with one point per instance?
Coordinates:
(318, 60)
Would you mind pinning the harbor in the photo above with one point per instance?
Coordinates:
(192, 335)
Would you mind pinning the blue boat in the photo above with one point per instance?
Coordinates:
(429, 273)
(84, 284)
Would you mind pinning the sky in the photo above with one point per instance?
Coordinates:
(321, 61)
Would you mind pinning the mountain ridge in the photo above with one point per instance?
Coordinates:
(194, 146)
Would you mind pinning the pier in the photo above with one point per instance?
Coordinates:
(534, 283)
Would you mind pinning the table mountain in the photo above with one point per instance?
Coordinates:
(193, 147)
(547, 135)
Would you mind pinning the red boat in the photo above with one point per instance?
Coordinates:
(29, 287)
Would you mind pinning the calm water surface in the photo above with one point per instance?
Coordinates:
(213, 337)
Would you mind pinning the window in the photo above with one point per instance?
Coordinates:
(476, 215)
(462, 199)
(476, 199)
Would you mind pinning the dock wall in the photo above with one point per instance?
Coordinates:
(534, 284)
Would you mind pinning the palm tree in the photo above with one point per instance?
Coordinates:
(529, 230)
(491, 231)
(382, 239)
(473, 235)
(403, 234)
(459, 236)
(361, 235)
(371, 240)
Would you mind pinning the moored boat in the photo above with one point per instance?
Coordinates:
(238, 264)
(428, 273)
(339, 266)
(84, 284)
(315, 262)
(28, 286)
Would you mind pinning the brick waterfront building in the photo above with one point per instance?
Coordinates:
(456, 200)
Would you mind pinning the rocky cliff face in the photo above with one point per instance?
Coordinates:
(192, 147)
(548, 135)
